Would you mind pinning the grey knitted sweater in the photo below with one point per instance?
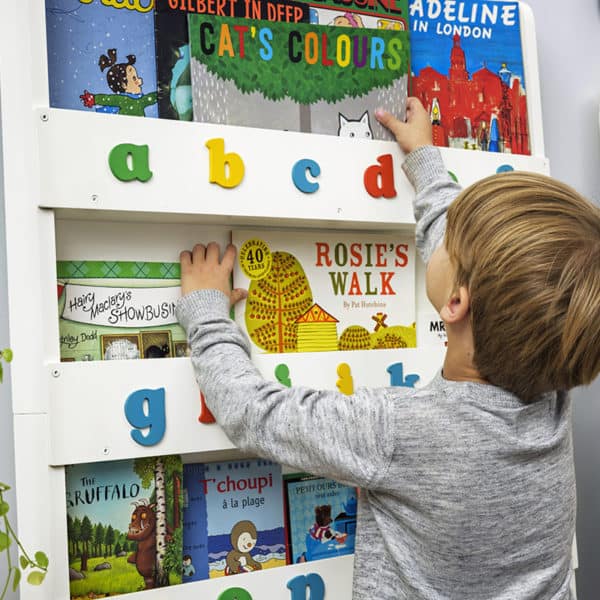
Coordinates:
(466, 492)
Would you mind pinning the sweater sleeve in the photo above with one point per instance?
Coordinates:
(347, 438)
(435, 190)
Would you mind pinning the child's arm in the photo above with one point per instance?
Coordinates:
(348, 438)
(423, 166)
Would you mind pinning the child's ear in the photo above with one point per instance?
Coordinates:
(457, 307)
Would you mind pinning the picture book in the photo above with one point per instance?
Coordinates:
(119, 310)
(320, 518)
(326, 290)
(233, 518)
(101, 56)
(467, 66)
(172, 62)
(124, 525)
(276, 67)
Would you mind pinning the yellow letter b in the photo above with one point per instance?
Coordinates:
(229, 177)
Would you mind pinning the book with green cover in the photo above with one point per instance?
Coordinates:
(271, 69)
(124, 525)
(119, 310)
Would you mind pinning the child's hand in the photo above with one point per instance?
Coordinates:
(413, 134)
(202, 270)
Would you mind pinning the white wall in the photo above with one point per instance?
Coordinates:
(569, 57)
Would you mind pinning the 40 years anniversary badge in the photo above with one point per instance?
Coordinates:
(255, 258)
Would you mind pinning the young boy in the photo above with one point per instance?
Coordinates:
(468, 485)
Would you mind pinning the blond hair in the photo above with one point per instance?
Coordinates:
(527, 247)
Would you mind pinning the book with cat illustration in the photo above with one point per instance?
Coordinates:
(233, 518)
(468, 71)
(101, 57)
(110, 310)
(323, 76)
(320, 518)
(124, 525)
(325, 291)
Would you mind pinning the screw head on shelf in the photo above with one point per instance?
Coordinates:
(106, 451)
(55, 373)
(44, 117)
(94, 197)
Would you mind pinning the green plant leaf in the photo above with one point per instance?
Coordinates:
(36, 577)
(4, 541)
(7, 354)
(24, 561)
(1, 374)
(41, 559)
(4, 508)
(16, 579)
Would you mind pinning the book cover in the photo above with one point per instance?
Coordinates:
(272, 69)
(119, 310)
(172, 62)
(467, 66)
(101, 56)
(233, 518)
(124, 525)
(326, 290)
(320, 518)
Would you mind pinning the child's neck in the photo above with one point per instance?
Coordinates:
(458, 363)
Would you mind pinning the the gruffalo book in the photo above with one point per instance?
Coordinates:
(232, 519)
(325, 291)
(113, 310)
(124, 525)
(269, 68)
(320, 518)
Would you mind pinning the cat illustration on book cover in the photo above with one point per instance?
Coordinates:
(355, 128)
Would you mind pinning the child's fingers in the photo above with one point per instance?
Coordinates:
(237, 294)
(229, 257)
(212, 253)
(388, 120)
(185, 259)
(198, 253)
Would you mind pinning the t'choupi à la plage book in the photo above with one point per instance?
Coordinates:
(468, 71)
(111, 310)
(325, 291)
(269, 68)
(233, 518)
(124, 525)
(101, 56)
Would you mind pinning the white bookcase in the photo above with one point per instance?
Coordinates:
(62, 202)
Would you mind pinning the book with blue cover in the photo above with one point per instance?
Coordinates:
(101, 56)
(321, 518)
(233, 518)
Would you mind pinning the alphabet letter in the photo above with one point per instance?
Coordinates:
(119, 162)
(299, 175)
(145, 409)
(312, 581)
(218, 160)
(379, 179)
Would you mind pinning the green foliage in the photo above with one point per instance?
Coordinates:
(280, 77)
(6, 355)
(36, 567)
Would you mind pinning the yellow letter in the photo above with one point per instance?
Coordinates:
(217, 161)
